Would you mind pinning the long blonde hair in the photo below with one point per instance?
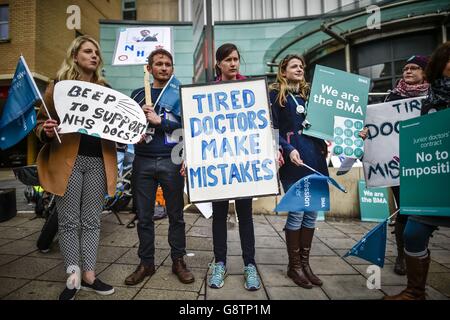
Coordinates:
(69, 70)
(282, 84)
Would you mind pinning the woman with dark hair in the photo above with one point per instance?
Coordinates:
(419, 229)
(227, 68)
(79, 171)
(288, 98)
(412, 84)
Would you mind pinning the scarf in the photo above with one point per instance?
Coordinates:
(411, 90)
(238, 77)
(438, 95)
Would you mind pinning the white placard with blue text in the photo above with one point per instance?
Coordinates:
(228, 141)
(133, 45)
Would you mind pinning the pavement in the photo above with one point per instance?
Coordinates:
(27, 274)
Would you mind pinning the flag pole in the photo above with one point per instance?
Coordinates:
(40, 96)
(312, 169)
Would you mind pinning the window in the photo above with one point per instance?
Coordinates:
(4, 22)
(129, 9)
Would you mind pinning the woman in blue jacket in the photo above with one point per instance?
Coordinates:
(288, 98)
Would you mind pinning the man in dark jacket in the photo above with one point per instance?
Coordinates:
(152, 166)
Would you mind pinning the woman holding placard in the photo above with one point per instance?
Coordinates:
(419, 229)
(227, 68)
(79, 170)
(412, 84)
(288, 98)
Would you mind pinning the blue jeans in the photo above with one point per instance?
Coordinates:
(147, 174)
(297, 220)
(416, 237)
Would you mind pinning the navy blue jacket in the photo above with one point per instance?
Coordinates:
(313, 151)
(157, 147)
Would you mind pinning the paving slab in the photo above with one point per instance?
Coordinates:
(339, 243)
(120, 239)
(330, 233)
(15, 233)
(165, 279)
(234, 248)
(58, 273)
(330, 265)
(18, 247)
(271, 256)
(296, 293)
(275, 276)
(441, 256)
(269, 242)
(440, 281)
(7, 258)
(131, 257)
(155, 294)
(110, 254)
(37, 290)
(54, 253)
(4, 241)
(197, 231)
(28, 267)
(350, 228)
(9, 285)
(233, 289)
(199, 243)
(16, 221)
(348, 287)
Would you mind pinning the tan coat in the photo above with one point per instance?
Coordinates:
(55, 161)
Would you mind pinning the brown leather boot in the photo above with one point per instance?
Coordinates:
(295, 271)
(399, 267)
(182, 272)
(416, 271)
(139, 274)
(306, 236)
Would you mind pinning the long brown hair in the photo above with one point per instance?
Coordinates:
(282, 84)
(71, 71)
(437, 63)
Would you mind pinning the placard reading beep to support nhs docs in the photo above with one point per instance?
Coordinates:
(228, 140)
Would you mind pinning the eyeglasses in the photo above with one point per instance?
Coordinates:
(412, 68)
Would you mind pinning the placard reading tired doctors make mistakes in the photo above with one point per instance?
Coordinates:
(228, 141)
(425, 165)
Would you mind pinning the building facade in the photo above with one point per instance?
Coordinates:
(38, 29)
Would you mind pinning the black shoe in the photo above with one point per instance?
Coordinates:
(98, 286)
(68, 294)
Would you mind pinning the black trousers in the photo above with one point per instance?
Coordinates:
(147, 174)
(401, 218)
(246, 230)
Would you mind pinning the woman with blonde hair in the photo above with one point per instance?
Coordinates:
(79, 171)
(288, 97)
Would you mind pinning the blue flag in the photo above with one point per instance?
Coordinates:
(310, 193)
(372, 247)
(170, 96)
(19, 117)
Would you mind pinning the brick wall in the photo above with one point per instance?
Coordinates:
(157, 10)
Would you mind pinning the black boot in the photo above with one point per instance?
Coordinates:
(306, 236)
(399, 267)
(295, 271)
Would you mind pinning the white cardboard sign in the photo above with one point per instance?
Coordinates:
(99, 111)
(381, 148)
(228, 141)
(133, 45)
